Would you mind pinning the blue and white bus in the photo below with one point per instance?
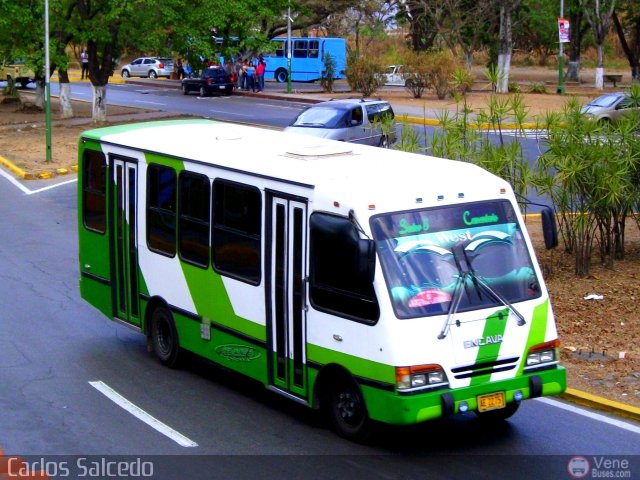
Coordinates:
(307, 54)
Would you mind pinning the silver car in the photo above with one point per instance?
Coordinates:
(609, 107)
(152, 67)
(348, 120)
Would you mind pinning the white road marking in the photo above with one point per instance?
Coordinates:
(28, 191)
(140, 414)
(594, 416)
(151, 103)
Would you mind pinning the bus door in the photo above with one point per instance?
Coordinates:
(124, 247)
(286, 292)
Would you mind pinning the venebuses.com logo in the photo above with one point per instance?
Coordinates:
(599, 467)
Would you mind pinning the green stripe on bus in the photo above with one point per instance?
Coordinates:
(495, 325)
(538, 330)
(98, 133)
(211, 300)
(356, 365)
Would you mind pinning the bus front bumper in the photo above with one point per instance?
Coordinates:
(406, 409)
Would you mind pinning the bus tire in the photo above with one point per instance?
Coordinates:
(164, 337)
(281, 75)
(500, 415)
(344, 404)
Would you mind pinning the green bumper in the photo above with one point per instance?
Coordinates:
(393, 408)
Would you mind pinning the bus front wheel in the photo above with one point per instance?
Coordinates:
(164, 337)
(281, 75)
(345, 407)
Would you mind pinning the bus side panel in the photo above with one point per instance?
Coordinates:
(93, 246)
(337, 48)
(224, 348)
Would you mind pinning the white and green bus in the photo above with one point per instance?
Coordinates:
(377, 285)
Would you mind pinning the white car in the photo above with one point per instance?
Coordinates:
(394, 76)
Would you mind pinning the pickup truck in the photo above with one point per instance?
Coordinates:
(212, 80)
(17, 71)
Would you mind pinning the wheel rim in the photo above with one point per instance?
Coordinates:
(348, 406)
(164, 338)
(152, 74)
(125, 74)
(202, 92)
(384, 142)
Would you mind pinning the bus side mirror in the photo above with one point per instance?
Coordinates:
(549, 228)
(366, 259)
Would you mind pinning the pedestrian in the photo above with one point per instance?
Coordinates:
(84, 64)
(180, 69)
(260, 68)
(251, 77)
(187, 69)
(239, 72)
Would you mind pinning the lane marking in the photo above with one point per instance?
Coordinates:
(140, 414)
(594, 416)
(27, 191)
(151, 103)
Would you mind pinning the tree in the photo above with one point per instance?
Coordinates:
(505, 42)
(627, 26)
(579, 28)
(599, 13)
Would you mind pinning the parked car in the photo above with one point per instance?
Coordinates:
(394, 76)
(349, 120)
(211, 80)
(152, 67)
(609, 107)
(17, 71)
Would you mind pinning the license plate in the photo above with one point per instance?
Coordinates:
(221, 87)
(491, 401)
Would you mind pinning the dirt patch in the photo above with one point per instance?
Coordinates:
(600, 338)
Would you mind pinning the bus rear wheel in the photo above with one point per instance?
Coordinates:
(345, 407)
(281, 75)
(164, 337)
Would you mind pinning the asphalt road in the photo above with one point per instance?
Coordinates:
(53, 344)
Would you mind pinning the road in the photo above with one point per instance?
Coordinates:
(57, 353)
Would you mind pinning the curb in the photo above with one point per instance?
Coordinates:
(600, 403)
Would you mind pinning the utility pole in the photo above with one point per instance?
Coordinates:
(289, 48)
(47, 81)
(561, 56)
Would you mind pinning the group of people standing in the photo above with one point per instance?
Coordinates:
(248, 74)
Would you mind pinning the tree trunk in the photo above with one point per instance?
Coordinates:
(66, 109)
(99, 112)
(600, 68)
(505, 44)
(39, 99)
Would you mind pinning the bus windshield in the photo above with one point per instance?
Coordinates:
(424, 252)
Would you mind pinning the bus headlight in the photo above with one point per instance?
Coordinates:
(542, 355)
(420, 377)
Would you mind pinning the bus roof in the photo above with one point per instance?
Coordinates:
(345, 172)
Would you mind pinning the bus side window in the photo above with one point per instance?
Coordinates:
(313, 48)
(281, 49)
(161, 209)
(337, 284)
(236, 237)
(193, 218)
(300, 49)
(94, 168)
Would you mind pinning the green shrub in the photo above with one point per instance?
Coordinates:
(363, 74)
(514, 87)
(328, 74)
(443, 65)
(537, 88)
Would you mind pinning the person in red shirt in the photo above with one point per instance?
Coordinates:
(260, 68)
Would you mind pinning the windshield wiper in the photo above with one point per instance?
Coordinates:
(467, 271)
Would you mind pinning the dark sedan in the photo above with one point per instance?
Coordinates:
(212, 80)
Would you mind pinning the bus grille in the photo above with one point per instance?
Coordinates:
(485, 368)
